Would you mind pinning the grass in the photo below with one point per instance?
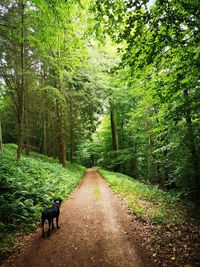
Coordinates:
(148, 202)
(27, 187)
(168, 225)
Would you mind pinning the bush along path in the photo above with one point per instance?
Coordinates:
(169, 227)
(26, 188)
(95, 231)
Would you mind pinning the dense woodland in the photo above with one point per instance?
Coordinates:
(105, 83)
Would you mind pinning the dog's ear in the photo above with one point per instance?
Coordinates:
(58, 201)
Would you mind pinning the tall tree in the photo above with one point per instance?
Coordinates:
(162, 48)
(1, 141)
(21, 91)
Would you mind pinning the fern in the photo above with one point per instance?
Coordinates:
(28, 186)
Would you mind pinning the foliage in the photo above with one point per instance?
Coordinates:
(27, 187)
(143, 71)
(148, 202)
(52, 66)
(160, 62)
(107, 83)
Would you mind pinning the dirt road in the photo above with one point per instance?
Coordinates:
(96, 231)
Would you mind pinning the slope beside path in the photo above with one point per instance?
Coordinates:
(96, 231)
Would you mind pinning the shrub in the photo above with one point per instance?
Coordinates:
(27, 186)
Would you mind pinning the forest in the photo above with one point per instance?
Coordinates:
(111, 84)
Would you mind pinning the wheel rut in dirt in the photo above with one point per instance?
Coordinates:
(96, 231)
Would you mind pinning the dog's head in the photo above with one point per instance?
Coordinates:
(58, 201)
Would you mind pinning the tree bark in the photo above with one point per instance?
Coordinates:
(45, 126)
(71, 131)
(191, 142)
(26, 120)
(148, 136)
(134, 161)
(62, 147)
(149, 156)
(115, 142)
(21, 91)
(114, 130)
(1, 141)
(44, 135)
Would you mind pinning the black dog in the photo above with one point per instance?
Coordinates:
(51, 213)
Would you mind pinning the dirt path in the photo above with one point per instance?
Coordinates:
(96, 231)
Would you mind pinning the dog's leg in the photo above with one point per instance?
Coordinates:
(43, 227)
(52, 224)
(57, 222)
(49, 226)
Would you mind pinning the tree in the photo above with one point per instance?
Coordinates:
(162, 54)
(16, 61)
(43, 37)
(1, 141)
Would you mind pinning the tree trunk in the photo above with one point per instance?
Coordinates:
(26, 120)
(27, 141)
(114, 130)
(71, 131)
(149, 156)
(44, 136)
(45, 126)
(115, 142)
(62, 147)
(191, 142)
(61, 127)
(134, 161)
(159, 165)
(21, 91)
(1, 141)
(148, 136)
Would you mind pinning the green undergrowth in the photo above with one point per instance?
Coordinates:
(146, 201)
(27, 187)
